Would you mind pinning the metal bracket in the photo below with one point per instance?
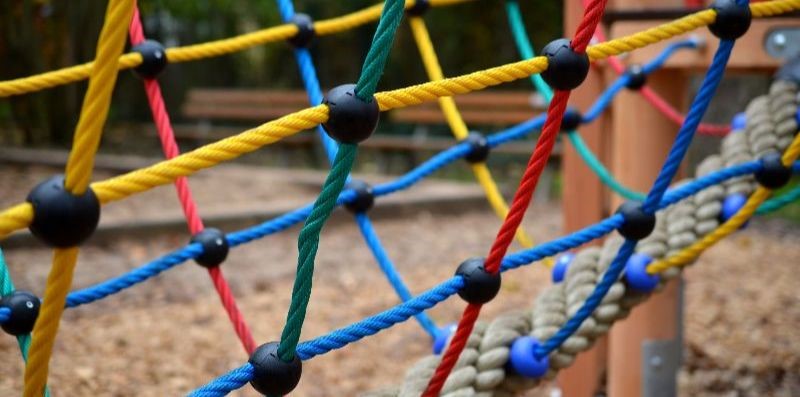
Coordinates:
(783, 42)
(661, 359)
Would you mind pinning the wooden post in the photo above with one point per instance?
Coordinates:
(642, 139)
(584, 202)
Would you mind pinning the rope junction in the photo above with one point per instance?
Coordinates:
(478, 355)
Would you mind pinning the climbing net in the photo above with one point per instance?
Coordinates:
(659, 232)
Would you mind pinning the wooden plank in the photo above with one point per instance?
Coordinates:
(237, 96)
(481, 116)
(637, 160)
(748, 54)
(584, 202)
(243, 112)
(378, 141)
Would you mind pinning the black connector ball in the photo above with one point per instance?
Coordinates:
(419, 8)
(732, 21)
(638, 224)
(215, 247)
(364, 199)
(773, 174)
(154, 59)
(305, 31)
(572, 120)
(62, 219)
(478, 148)
(480, 286)
(566, 69)
(271, 375)
(636, 77)
(24, 308)
(350, 119)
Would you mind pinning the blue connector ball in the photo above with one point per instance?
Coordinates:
(738, 121)
(561, 266)
(524, 362)
(443, 335)
(636, 275)
(731, 205)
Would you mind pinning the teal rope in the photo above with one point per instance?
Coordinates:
(776, 203)
(526, 52)
(7, 287)
(524, 46)
(308, 243)
(601, 171)
(378, 53)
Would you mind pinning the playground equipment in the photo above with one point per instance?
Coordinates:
(593, 289)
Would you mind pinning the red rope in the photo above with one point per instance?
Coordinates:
(657, 101)
(170, 148)
(520, 203)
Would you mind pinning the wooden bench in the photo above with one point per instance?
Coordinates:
(216, 109)
(477, 108)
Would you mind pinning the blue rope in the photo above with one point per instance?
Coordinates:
(687, 130)
(374, 243)
(604, 100)
(310, 80)
(386, 319)
(5, 314)
(653, 200)
(151, 269)
(135, 276)
(227, 383)
(381, 321)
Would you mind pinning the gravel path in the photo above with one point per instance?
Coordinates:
(170, 335)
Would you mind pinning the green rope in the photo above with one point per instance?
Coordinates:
(308, 240)
(778, 202)
(378, 53)
(308, 243)
(7, 287)
(524, 46)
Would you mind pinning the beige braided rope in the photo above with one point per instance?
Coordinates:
(481, 372)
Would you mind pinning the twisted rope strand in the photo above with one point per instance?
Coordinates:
(78, 173)
(170, 148)
(520, 202)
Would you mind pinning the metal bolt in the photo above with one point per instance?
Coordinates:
(656, 361)
(779, 39)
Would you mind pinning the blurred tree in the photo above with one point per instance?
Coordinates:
(41, 35)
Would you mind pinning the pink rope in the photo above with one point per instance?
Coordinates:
(170, 148)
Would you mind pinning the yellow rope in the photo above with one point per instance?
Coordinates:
(58, 283)
(690, 253)
(207, 156)
(166, 171)
(459, 127)
(78, 174)
(205, 50)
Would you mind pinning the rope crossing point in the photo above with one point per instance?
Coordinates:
(524, 194)
(308, 240)
(194, 222)
(415, 305)
(78, 173)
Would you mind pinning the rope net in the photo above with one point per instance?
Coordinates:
(566, 318)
